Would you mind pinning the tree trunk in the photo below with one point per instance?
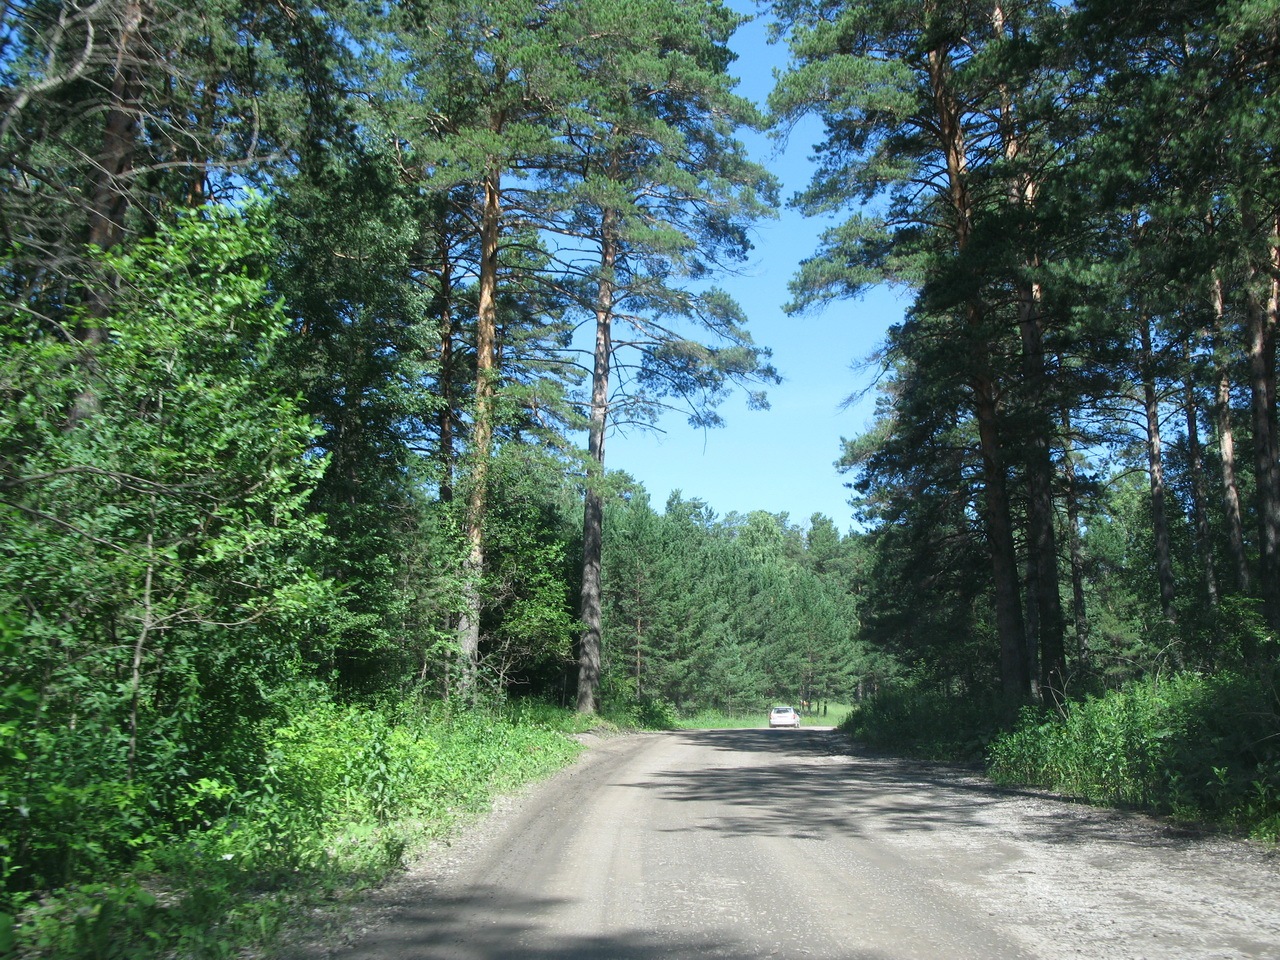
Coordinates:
(1261, 321)
(1155, 466)
(593, 512)
(1044, 601)
(1015, 673)
(1078, 609)
(109, 191)
(482, 430)
(1031, 617)
(206, 118)
(109, 188)
(1042, 541)
(1199, 500)
(1227, 453)
(1046, 624)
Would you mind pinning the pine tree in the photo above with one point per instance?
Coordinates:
(662, 194)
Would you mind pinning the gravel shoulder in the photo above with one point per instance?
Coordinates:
(712, 843)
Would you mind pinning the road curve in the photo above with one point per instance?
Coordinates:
(749, 844)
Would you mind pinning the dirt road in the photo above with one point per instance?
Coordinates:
(748, 844)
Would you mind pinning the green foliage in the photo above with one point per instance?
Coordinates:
(151, 569)
(544, 715)
(346, 766)
(527, 590)
(341, 795)
(924, 721)
(725, 614)
(624, 707)
(1198, 746)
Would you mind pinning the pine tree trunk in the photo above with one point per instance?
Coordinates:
(482, 430)
(109, 192)
(1015, 672)
(1078, 609)
(1155, 468)
(1262, 381)
(1031, 618)
(1042, 536)
(1199, 500)
(109, 189)
(593, 512)
(206, 118)
(1227, 454)
(1046, 624)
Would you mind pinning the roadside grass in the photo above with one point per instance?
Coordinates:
(343, 796)
(716, 720)
(834, 715)
(1200, 748)
(929, 724)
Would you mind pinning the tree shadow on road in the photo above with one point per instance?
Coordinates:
(486, 923)
(809, 781)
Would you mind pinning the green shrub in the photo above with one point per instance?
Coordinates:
(331, 801)
(641, 713)
(1201, 747)
(712, 719)
(928, 723)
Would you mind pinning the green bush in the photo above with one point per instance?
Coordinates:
(928, 723)
(712, 719)
(642, 713)
(338, 796)
(1200, 747)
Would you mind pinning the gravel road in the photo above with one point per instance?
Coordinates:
(778, 843)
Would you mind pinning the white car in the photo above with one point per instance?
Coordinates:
(783, 717)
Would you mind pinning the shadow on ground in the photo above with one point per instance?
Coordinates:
(463, 927)
(810, 781)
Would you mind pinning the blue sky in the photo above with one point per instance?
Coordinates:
(779, 460)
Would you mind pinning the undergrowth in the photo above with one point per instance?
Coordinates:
(711, 719)
(929, 724)
(340, 796)
(1202, 748)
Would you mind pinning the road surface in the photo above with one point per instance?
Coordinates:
(750, 844)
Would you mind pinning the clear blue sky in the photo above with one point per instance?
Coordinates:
(779, 460)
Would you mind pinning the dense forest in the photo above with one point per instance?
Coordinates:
(317, 318)
(1081, 401)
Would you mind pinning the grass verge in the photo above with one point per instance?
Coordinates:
(343, 796)
(1201, 748)
(833, 715)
